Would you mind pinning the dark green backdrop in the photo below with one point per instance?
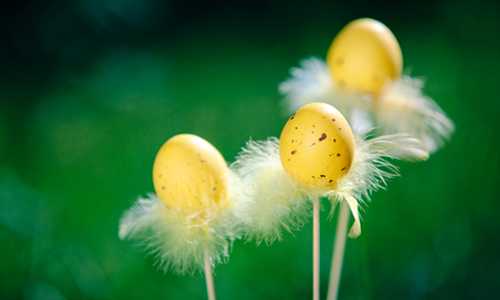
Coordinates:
(90, 90)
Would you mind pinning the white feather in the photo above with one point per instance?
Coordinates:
(179, 241)
(270, 201)
(313, 82)
(370, 169)
(402, 108)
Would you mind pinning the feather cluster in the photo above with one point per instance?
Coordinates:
(401, 107)
(181, 241)
(313, 82)
(271, 201)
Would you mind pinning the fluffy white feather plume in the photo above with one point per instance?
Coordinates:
(401, 106)
(270, 201)
(313, 82)
(370, 169)
(179, 241)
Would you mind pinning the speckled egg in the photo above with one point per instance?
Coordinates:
(317, 146)
(189, 174)
(364, 56)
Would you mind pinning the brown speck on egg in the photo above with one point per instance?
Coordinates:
(338, 154)
(322, 175)
(340, 129)
(323, 136)
(343, 169)
(331, 180)
(334, 140)
(163, 187)
(296, 128)
(312, 131)
(293, 152)
(293, 116)
(313, 176)
(292, 141)
(314, 126)
(313, 144)
(333, 120)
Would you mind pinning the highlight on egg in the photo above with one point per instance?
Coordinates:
(364, 56)
(317, 146)
(189, 174)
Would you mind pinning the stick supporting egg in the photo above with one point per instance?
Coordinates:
(316, 150)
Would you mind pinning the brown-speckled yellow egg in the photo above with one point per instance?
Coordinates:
(317, 146)
(189, 174)
(364, 56)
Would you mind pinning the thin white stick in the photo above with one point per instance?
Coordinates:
(316, 249)
(338, 251)
(209, 278)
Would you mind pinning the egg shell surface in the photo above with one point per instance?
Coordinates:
(189, 174)
(364, 56)
(317, 146)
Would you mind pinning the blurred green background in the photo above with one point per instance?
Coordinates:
(90, 90)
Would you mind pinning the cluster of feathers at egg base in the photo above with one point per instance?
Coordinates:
(181, 241)
(272, 203)
(401, 106)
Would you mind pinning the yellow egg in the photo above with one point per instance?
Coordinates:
(364, 56)
(189, 174)
(317, 146)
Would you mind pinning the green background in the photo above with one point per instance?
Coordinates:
(91, 89)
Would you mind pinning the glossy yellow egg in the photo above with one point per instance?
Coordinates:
(364, 56)
(189, 174)
(317, 146)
